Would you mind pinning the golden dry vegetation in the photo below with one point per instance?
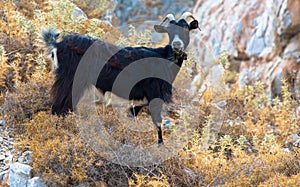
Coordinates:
(251, 149)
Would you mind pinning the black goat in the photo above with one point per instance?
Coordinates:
(67, 54)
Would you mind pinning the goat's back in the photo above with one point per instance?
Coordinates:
(70, 51)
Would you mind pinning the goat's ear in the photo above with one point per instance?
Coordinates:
(194, 25)
(160, 29)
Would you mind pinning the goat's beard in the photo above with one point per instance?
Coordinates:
(180, 54)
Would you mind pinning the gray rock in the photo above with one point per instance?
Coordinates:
(2, 157)
(166, 123)
(28, 156)
(286, 150)
(78, 14)
(3, 175)
(296, 143)
(2, 122)
(276, 85)
(255, 46)
(35, 182)
(239, 28)
(19, 174)
(294, 140)
(25, 157)
(243, 78)
(21, 160)
(222, 104)
(8, 159)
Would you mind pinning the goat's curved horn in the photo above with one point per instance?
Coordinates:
(169, 17)
(187, 15)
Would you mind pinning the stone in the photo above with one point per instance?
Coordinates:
(28, 156)
(35, 182)
(222, 104)
(3, 175)
(78, 14)
(166, 123)
(2, 157)
(294, 140)
(2, 122)
(197, 83)
(21, 160)
(8, 159)
(286, 150)
(19, 174)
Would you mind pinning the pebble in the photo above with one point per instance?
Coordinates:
(2, 122)
(166, 123)
(286, 150)
(294, 140)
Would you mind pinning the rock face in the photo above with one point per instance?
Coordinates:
(262, 37)
(130, 11)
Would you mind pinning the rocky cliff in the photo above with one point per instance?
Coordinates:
(261, 37)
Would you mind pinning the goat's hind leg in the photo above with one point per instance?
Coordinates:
(134, 110)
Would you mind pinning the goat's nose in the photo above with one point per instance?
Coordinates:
(177, 44)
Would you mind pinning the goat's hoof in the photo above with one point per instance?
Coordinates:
(160, 142)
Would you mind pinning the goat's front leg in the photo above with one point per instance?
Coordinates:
(155, 108)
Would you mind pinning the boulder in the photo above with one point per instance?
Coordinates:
(35, 182)
(19, 174)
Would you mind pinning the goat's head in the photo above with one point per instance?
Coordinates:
(178, 30)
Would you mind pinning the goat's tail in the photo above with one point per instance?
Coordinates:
(49, 36)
